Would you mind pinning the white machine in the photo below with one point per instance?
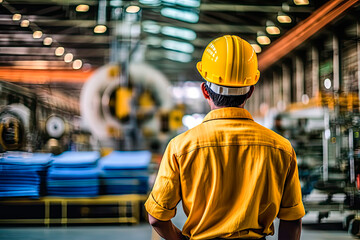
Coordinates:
(120, 108)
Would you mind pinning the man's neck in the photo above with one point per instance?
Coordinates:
(213, 106)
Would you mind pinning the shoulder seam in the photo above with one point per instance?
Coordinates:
(225, 145)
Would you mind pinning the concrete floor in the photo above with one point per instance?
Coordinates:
(329, 230)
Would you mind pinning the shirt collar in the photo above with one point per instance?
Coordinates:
(228, 113)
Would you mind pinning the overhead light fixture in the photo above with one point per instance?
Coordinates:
(301, 2)
(150, 2)
(178, 56)
(178, 46)
(184, 3)
(1, 1)
(132, 9)
(256, 47)
(283, 18)
(24, 23)
(77, 64)
(47, 41)
(16, 17)
(182, 15)
(271, 28)
(82, 8)
(37, 34)
(116, 3)
(327, 83)
(101, 20)
(59, 51)
(151, 27)
(68, 57)
(100, 28)
(177, 32)
(263, 39)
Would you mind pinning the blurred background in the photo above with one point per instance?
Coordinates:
(93, 90)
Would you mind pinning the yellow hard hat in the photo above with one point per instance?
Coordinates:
(229, 61)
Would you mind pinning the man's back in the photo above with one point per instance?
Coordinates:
(232, 173)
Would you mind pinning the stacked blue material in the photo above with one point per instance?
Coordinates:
(125, 172)
(74, 174)
(22, 174)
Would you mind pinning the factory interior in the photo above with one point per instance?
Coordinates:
(92, 91)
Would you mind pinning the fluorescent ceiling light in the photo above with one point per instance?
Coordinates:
(82, 8)
(68, 57)
(47, 41)
(16, 17)
(77, 64)
(37, 34)
(184, 3)
(178, 56)
(256, 47)
(178, 46)
(301, 2)
(100, 29)
(59, 51)
(151, 27)
(25, 23)
(283, 18)
(186, 16)
(327, 83)
(182, 33)
(263, 39)
(132, 9)
(116, 3)
(273, 30)
(150, 2)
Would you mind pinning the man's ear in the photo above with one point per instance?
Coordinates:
(204, 92)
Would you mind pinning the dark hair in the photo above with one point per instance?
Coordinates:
(227, 101)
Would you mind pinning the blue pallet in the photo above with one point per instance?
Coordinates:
(28, 193)
(66, 174)
(126, 160)
(76, 160)
(21, 173)
(125, 172)
(74, 174)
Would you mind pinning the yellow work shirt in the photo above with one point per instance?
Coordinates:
(234, 178)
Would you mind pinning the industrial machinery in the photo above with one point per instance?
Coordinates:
(326, 139)
(123, 112)
(36, 120)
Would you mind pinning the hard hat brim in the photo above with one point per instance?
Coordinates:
(228, 91)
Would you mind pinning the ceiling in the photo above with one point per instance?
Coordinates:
(74, 31)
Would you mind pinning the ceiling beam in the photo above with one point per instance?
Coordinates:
(303, 31)
(61, 38)
(199, 27)
(88, 52)
(38, 76)
(252, 8)
(50, 2)
(203, 6)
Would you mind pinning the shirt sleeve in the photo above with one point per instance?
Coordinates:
(291, 207)
(165, 195)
